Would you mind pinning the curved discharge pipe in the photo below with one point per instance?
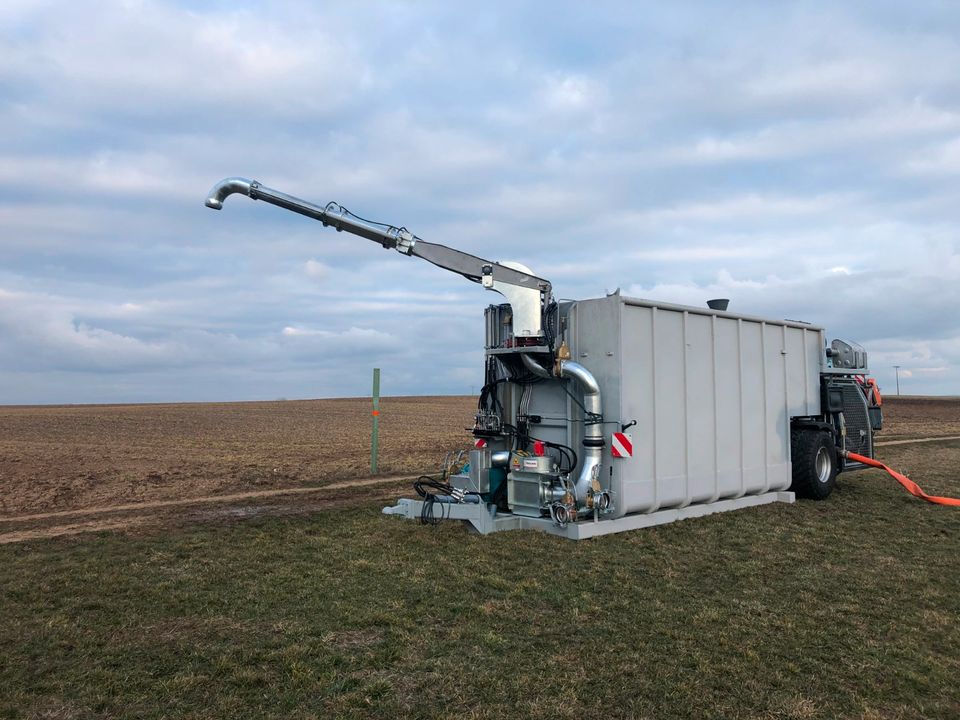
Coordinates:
(225, 188)
(593, 441)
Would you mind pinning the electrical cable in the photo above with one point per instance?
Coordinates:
(589, 418)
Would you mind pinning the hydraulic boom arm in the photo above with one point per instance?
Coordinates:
(526, 293)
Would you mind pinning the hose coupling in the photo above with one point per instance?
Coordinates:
(602, 501)
(562, 514)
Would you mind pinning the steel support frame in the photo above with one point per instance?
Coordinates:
(483, 521)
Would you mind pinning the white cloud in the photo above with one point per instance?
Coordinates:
(573, 93)
(42, 331)
(316, 269)
(745, 208)
(823, 79)
(352, 342)
(114, 174)
(351, 334)
(791, 139)
(155, 57)
(942, 159)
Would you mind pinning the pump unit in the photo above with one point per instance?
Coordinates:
(616, 413)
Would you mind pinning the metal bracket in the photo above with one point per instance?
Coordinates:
(486, 278)
(405, 242)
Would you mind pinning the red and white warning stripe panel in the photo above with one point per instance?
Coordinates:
(621, 445)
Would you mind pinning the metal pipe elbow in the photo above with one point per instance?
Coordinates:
(571, 369)
(228, 186)
(533, 366)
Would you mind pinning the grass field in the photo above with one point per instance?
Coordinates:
(846, 608)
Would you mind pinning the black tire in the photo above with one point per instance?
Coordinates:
(814, 464)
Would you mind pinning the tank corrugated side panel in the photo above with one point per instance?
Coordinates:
(712, 394)
(670, 447)
(777, 416)
(731, 480)
(753, 410)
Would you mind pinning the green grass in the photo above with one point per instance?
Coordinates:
(847, 608)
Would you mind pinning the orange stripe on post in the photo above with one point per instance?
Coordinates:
(375, 413)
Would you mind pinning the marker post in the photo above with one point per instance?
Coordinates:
(375, 437)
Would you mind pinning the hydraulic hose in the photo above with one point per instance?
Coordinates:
(907, 483)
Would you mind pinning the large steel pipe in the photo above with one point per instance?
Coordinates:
(592, 427)
(332, 214)
(593, 440)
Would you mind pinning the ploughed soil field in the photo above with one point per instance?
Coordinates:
(59, 458)
(919, 417)
(71, 469)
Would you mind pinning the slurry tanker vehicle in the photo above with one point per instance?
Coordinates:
(615, 413)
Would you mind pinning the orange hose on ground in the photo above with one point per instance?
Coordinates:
(909, 484)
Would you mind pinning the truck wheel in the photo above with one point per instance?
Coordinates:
(814, 464)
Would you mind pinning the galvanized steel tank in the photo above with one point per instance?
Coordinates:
(712, 394)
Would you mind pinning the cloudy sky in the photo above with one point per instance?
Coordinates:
(800, 158)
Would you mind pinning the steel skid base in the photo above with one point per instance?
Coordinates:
(483, 521)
